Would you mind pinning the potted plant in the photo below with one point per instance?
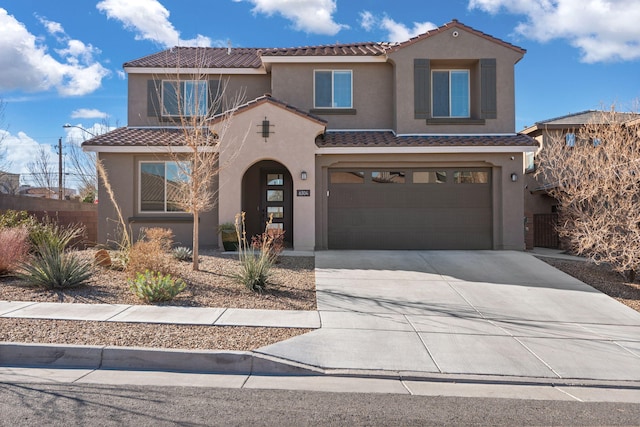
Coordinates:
(227, 231)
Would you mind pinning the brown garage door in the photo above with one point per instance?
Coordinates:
(437, 208)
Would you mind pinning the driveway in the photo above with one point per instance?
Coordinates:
(463, 312)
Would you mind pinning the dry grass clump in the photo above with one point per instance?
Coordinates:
(151, 252)
(14, 248)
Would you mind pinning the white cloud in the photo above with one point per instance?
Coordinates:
(396, 32)
(19, 150)
(76, 135)
(27, 65)
(310, 16)
(367, 20)
(603, 30)
(87, 113)
(399, 32)
(149, 20)
(52, 27)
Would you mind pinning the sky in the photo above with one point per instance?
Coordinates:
(61, 62)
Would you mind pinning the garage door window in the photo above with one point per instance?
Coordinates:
(429, 177)
(347, 177)
(471, 177)
(388, 177)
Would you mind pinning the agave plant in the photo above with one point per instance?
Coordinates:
(182, 253)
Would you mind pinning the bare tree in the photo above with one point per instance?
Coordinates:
(203, 114)
(42, 170)
(595, 175)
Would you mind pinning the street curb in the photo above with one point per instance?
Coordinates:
(148, 359)
(66, 356)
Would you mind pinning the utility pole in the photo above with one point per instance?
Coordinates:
(60, 188)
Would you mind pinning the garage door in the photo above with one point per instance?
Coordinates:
(436, 208)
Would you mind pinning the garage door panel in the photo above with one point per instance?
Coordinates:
(411, 216)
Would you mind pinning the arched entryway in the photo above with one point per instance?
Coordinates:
(267, 189)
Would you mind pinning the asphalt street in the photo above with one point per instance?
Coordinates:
(29, 404)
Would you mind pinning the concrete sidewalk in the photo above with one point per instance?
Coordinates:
(481, 317)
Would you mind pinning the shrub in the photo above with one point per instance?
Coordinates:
(14, 248)
(11, 219)
(182, 253)
(156, 287)
(150, 252)
(274, 238)
(255, 265)
(51, 268)
(54, 236)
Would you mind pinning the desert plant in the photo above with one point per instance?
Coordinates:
(153, 286)
(182, 253)
(274, 238)
(255, 265)
(54, 236)
(150, 252)
(14, 248)
(51, 268)
(11, 218)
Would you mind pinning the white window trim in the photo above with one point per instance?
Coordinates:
(181, 93)
(333, 71)
(450, 97)
(165, 211)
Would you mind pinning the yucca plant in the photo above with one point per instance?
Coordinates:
(255, 265)
(51, 268)
(152, 286)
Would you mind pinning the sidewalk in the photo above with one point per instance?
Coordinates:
(483, 317)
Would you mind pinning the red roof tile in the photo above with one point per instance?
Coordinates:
(138, 137)
(353, 49)
(388, 139)
(200, 57)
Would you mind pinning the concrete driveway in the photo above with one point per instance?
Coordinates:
(464, 312)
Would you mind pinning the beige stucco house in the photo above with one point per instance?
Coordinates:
(353, 146)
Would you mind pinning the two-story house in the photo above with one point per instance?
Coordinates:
(406, 145)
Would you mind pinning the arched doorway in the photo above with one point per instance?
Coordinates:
(267, 189)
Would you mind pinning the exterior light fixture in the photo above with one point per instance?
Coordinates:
(303, 175)
(514, 177)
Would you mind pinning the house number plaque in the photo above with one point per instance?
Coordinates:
(303, 193)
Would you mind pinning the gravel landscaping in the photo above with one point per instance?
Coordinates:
(292, 288)
(601, 277)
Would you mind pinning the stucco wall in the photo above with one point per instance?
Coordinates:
(122, 171)
(444, 47)
(372, 93)
(292, 144)
(251, 86)
(508, 212)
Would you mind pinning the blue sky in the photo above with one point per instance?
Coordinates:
(61, 62)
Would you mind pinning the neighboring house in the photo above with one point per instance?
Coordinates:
(45, 193)
(540, 208)
(9, 183)
(406, 145)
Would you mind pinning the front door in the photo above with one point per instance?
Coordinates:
(277, 201)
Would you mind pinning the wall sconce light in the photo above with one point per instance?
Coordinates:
(303, 175)
(514, 177)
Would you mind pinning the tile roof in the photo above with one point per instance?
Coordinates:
(218, 57)
(388, 139)
(174, 136)
(588, 117)
(267, 98)
(200, 57)
(138, 137)
(353, 49)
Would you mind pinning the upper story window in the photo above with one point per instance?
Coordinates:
(184, 98)
(450, 90)
(570, 139)
(333, 89)
(161, 185)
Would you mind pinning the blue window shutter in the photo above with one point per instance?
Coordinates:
(488, 89)
(421, 96)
